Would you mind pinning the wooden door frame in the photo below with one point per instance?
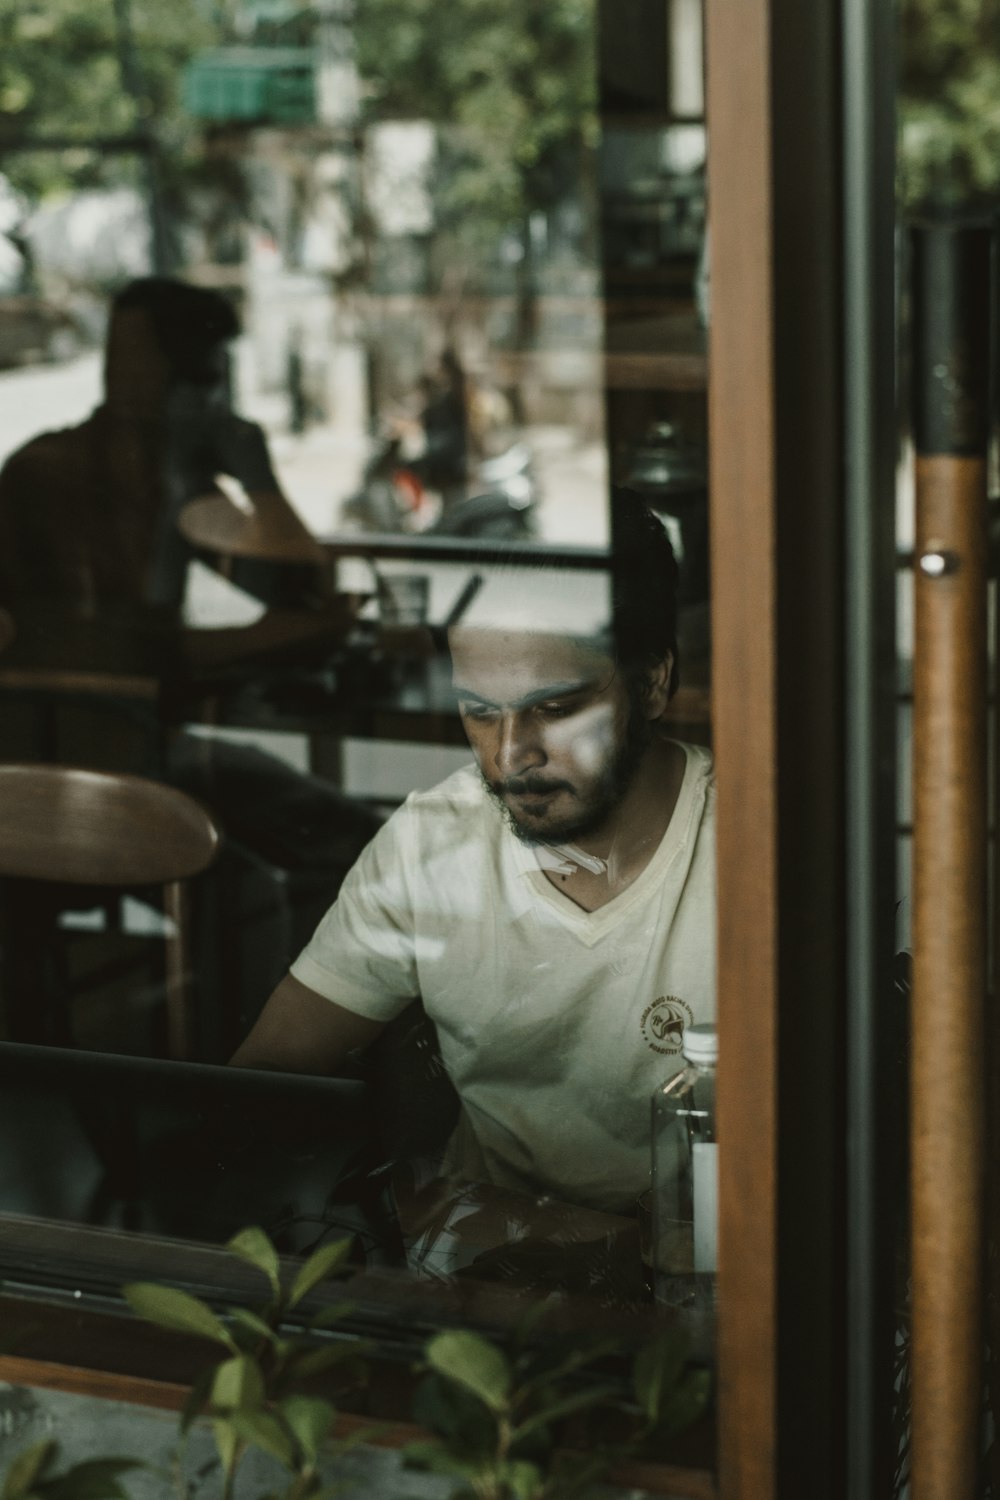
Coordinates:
(776, 428)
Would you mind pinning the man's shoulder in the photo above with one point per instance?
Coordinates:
(458, 794)
(48, 451)
(699, 758)
(453, 818)
(703, 765)
(698, 788)
(700, 766)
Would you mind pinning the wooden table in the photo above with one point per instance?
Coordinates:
(140, 662)
(291, 672)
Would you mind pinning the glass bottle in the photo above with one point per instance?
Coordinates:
(684, 1209)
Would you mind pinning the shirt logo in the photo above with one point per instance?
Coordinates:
(663, 1023)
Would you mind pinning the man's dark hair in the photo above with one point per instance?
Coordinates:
(189, 322)
(644, 586)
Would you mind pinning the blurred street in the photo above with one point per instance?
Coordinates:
(320, 467)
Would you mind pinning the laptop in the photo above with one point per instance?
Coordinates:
(194, 1151)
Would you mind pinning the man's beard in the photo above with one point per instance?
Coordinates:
(614, 782)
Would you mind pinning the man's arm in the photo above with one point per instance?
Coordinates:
(299, 1031)
(241, 451)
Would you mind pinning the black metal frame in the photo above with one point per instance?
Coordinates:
(871, 426)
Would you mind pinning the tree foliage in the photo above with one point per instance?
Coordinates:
(511, 89)
(949, 103)
(511, 86)
(66, 67)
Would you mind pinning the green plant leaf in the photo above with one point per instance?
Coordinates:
(181, 1313)
(329, 1317)
(253, 1246)
(418, 1454)
(435, 1458)
(314, 1361)
(656, 1371)
(473, 1363)
(95, 1479)
(253, 1323)
(572, 1476)
(359, 1438)
(310, 1419)
(238, 1383)
(320, 1264)
(578, 1401)
(687, 1402)
(455, 1415)
(197, 1399)
(525, 1481)
(528, 1322)
(227, 1441)
(27, 1468)
(552, 1367)
(266, 1433)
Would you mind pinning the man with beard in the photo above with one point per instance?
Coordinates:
(554, 908)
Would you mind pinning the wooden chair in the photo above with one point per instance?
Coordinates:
(62, 825)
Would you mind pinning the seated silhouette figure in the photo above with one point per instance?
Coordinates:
(88, 514)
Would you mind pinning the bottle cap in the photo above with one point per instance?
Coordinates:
(701, 1045)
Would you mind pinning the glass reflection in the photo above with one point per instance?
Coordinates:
(552, 906)
(330, 307)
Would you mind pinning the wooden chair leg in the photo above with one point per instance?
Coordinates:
(180, 1004)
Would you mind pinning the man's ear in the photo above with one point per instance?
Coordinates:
(657, 685)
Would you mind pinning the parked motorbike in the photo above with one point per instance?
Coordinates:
(497, 500)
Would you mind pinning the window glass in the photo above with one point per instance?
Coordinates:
(352, 372)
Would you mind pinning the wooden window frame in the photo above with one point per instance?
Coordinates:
(801, 478)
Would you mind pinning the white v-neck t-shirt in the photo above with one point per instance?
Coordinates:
(555, 1024)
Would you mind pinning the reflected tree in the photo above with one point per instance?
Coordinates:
(90, 97)
(949, 104)
(512, 91)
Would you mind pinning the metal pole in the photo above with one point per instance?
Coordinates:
(868, 44)
(132, 82)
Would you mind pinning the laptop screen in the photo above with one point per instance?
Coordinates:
(190, 1150)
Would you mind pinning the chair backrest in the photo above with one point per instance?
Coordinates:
(99, 828)
(80, 827)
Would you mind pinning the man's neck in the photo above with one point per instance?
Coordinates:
(632, 835)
